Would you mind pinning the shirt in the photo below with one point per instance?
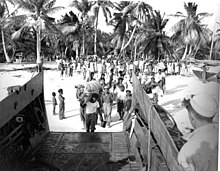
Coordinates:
(91, 107)
(121, 95)
(54, 100)
(107, 98)
(200, 152)
(158, 77)
(61, 99)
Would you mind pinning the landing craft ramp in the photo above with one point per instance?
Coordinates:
(99, 151)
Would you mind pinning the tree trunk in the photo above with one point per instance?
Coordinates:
(77, 52)
(66, 51)
(211, 50)
(135, 51)
(4, 48)
(38, 46)
(132, 35)
(95, 39)
(190, 51)
(83, 47)
(196, 49)
(184, 55)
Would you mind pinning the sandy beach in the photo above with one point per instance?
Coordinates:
(177, 87)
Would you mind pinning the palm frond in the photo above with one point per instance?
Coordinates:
(16, 20)
(51, 11)
(49, 4)
(129, 8)
(106, 12)
(178, 14)
(26, 5)
(76, 4)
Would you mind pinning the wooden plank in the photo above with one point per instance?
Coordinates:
(157, 160)
(159, 130)
(13, 104)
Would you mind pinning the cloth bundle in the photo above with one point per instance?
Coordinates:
(92, 87)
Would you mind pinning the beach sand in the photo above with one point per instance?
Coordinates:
(177, 87)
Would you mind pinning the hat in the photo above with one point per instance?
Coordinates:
(204, 104)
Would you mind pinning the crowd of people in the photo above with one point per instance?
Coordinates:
(109, 83)
(115, 79)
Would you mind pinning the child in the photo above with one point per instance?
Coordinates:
(62, 104)
(92, 107)
(54, 100)
(128, 101)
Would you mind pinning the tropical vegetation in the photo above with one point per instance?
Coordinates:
(139, 31)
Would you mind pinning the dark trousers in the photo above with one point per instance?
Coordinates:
(90, 122)
(82, 116)
(120, 108)
(54, 109)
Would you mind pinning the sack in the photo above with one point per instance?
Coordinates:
(93, 87)
(103, 124)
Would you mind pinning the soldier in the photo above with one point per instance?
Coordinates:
(200, 152)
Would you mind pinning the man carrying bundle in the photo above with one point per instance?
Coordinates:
(93, 87)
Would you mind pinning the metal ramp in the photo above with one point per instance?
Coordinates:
(99, 151)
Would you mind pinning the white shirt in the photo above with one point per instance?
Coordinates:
(91, 107)
(141, 64)
(99, 67)
(158, 77)
(136, 63)
(201, 150)
(121, 94)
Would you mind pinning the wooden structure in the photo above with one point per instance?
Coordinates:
(23, 123)
(164, 146)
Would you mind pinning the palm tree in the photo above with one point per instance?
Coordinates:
(217, 43)
(105, 6)
(4, 15)
(152, 39)
(129, 14)
(139, 11)
(83, 7)
(121, 22)
(190, 29)
(70, 28)
(39, 12)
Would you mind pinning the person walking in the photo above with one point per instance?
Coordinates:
(80, 95)
(120, 97)
(54, 101)
(92, 108)
(200, 152)
(128, 101)
(61, 104)
(107, 99)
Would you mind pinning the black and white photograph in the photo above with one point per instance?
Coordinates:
(107, 85)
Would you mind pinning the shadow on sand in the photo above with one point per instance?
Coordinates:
(176, 89)
(175, 105)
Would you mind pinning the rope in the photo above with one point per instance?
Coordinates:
(149, 139)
